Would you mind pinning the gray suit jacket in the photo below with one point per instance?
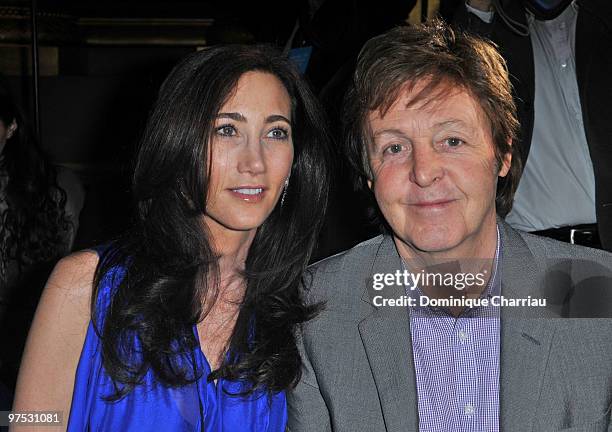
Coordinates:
(555, 372)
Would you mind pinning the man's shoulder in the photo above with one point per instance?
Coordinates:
(344, 273)
(516, 241)
(563, 266)
(364, 250)
(543, 247)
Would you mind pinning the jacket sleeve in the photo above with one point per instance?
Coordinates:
(306, 407)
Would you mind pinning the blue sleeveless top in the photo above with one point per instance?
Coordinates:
(201, 406)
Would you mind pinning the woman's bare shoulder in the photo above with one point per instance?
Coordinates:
(73, 275)
(55, 341)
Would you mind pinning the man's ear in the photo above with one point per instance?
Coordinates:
(11, 129)
(506, 162)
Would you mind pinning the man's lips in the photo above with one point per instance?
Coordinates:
(439, 203)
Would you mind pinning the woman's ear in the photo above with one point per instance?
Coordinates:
(11, 129)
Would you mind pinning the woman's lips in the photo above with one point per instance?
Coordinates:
(249, 193)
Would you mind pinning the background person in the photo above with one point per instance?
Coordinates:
(558, 58)
(39, 218)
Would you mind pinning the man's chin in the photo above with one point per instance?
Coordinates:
(432, 241)
(430, 246)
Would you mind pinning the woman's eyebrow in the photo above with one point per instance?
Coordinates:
(233, 116)
(241, 118)
(278, 117)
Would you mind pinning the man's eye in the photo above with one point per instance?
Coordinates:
(453, 142)
(394, 148)
(278, 133)
(226, 130)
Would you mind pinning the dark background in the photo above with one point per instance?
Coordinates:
(101, 63)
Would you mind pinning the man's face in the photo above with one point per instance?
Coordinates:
(434, 170)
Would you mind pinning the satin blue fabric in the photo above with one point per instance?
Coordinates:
(200, 406)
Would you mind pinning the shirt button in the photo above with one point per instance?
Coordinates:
(468, 409)
(463, 335)
(563, 65)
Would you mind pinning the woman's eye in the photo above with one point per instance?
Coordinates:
(278, 133)
(226, 130)
(453, 142)
(394, 148)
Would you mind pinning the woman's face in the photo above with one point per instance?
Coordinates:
(251, 152)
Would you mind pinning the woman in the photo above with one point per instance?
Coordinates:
(39, 211)
(194, 312)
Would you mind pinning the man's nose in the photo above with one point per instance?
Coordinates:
(251, 158)
(427, 167)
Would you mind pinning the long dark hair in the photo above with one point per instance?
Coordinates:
(34, 227)
(169, 264)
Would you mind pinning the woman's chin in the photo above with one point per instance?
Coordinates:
(236, 222)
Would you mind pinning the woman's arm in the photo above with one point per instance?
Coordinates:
(55, 341)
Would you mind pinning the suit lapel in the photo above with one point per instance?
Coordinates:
(525, 340)
(385, 334)
(525, 347)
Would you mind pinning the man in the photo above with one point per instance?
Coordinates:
(558, 57)
(431, 124)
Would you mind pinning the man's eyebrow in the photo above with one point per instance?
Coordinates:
(396, 132)
(451, 122)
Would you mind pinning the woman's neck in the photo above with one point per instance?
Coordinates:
(231, 248)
